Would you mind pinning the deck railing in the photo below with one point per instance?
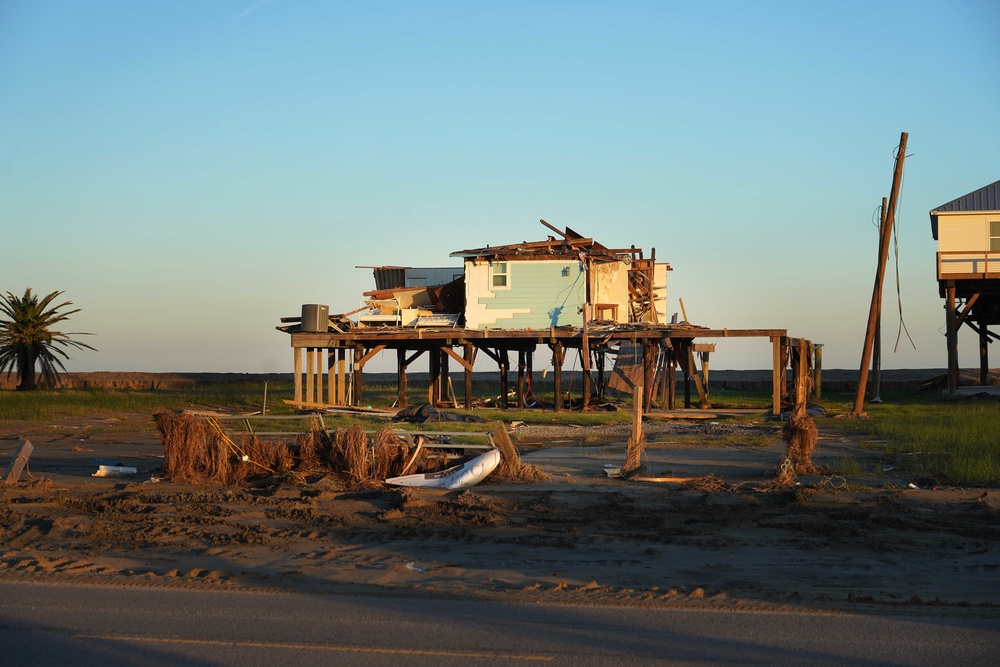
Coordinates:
(968, 264)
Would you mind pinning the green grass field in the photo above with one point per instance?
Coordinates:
(957, 441)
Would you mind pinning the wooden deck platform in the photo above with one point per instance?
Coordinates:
(341, 357)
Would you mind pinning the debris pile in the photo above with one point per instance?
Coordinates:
(198, 451)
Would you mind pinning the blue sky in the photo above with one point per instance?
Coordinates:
(189, 172)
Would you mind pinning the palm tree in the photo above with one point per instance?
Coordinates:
(27, 337)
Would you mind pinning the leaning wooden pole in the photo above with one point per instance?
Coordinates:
(873, 311)
(877, 346)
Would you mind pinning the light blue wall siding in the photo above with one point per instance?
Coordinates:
(554, 298)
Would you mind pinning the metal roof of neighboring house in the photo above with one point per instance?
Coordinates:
(986, 198)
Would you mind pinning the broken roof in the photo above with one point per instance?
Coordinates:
(571, 245)
(986, 198)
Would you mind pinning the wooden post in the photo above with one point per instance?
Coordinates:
(585, 382)
(801, 376)
(529, 361)
(671, 378)
(818, 371)
(777, 374)
(520, 378)
(648, 373)
(331, 379)
(434, 376)
(784, 367)
(557, 362)
(319, 375)
(445, 380)
(356, 374)
(310, 372)
(984, 353)
(601, 361)
(297, 380)
(637, 412)
(687, 379)
(951, 336)
(704, 369)
(401, 400)
(877, 345)
(341, 376)
(873, 311)
(18, 463)
(469, 355)
(504, 364)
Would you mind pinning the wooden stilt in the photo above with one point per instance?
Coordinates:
(671, 378)
(434, 377)
(818, 371)
(331, 379)
(319, 375)
(784, 365)
(951, 335)
(521, 365)
(297, 380)
(558, 351)
(341, 376)
(984, 353)
(357, 374)
(529, 379)
(445, 381)
(469, 356)
(310, 375)
(401, 400)
(602, 354)
(777, 374)
(504, 365)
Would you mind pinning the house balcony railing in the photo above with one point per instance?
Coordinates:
(968, 265)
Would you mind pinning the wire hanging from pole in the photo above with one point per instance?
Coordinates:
(895, 244)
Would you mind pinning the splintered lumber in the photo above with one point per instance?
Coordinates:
(19, 462)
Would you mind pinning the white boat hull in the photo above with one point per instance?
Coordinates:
(468, 474)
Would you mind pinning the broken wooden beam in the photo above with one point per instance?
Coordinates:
(19, 462)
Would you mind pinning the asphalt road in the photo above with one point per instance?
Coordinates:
(43, 624)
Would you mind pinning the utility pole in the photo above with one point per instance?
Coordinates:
(873, 312)
(877, 348)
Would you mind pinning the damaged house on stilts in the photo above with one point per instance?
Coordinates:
(567, 292)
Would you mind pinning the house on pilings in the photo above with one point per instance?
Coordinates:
(967, 230)
(569, 293)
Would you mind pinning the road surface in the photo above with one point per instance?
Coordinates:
(44, 624)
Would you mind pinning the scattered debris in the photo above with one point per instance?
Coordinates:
(114, 471)
(412, 567)
(710, 483)
(428, 413)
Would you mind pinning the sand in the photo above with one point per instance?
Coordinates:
(865, 543)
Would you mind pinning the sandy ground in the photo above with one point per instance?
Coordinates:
(868, 542)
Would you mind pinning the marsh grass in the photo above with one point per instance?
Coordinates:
(51, 405)
(956, 441)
